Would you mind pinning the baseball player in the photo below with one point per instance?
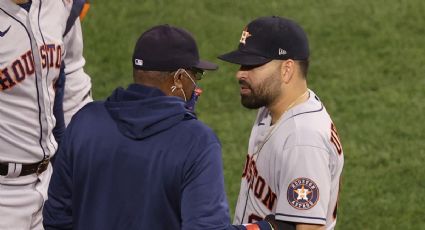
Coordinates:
(295, 158)
(40, 53)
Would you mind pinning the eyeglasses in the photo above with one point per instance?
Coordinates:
(198, 73)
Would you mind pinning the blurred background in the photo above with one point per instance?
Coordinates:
(367, 66)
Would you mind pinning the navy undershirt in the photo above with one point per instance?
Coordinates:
(26, 6)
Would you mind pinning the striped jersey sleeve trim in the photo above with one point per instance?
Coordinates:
(305, 217)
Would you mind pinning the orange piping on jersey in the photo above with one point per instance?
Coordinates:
(84, 11)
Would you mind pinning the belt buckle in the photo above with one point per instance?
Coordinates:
(42, 166)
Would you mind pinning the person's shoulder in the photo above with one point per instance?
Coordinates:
(194, 126)
(311, 115)
(198, 130)
(74, 9)
(69, 4)
(310, 124)
(91, 110)
(58, 11)
(92, 106)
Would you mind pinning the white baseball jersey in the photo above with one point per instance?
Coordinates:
(32, 48)
(293, 167)
(78, 83)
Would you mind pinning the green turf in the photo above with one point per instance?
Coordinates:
(367, 65)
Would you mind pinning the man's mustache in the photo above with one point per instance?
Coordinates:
(244, 84)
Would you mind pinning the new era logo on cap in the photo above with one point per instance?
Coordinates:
(282, 51)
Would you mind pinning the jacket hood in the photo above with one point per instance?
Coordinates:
(140, 111)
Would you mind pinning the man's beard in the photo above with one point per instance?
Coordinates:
(263, 95)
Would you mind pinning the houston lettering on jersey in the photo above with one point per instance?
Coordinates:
(258, 185)
(23, 67)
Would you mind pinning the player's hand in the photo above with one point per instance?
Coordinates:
(279, 225)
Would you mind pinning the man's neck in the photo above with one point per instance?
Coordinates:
(21, 1)
(290, 99)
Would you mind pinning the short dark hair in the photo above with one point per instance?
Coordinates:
(303, 67)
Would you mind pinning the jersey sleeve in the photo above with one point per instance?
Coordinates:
(76, 9)
(305, 182)
(77, 91)
(59, 128)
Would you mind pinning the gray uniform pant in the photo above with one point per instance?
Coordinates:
(22, 199)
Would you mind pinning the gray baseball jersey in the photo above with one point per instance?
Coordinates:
(78, 84)
(32, 48)
(293, 167)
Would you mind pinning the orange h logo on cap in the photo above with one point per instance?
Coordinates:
(244, 36)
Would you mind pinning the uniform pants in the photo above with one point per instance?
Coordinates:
(21, 201)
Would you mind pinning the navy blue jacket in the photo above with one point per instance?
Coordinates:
(138, 160)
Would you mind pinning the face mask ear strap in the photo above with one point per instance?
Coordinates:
(187, 74)
(173, 88)
(189, 77)
(177, 72)
(184, 95)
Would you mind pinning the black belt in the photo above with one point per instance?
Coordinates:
(27, 169)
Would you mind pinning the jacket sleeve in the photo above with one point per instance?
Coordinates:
(203, 201)
(57, 211)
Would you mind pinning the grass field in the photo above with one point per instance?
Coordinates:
(367, 65)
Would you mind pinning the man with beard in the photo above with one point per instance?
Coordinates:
(295, 159)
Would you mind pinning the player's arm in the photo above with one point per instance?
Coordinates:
(78, 84)
(310, 227)
(59, 85)
(284, 225)
(261, 225)
(270, 223)
(203, 199)
(299, 200)
(57, 211)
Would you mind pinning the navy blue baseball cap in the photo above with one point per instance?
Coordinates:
(269, 38)
(168, 48)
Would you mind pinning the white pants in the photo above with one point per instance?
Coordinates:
(21, 201)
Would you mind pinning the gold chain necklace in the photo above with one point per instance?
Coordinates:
(293, 103)
(274, 127)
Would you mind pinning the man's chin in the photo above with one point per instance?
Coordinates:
(250, 103)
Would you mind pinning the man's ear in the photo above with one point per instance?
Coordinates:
(287, 70)
(177, 80)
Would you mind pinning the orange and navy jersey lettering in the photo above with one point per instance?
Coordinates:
(23, 67)
(258, 185)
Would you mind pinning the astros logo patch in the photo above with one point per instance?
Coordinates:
(303, 193)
